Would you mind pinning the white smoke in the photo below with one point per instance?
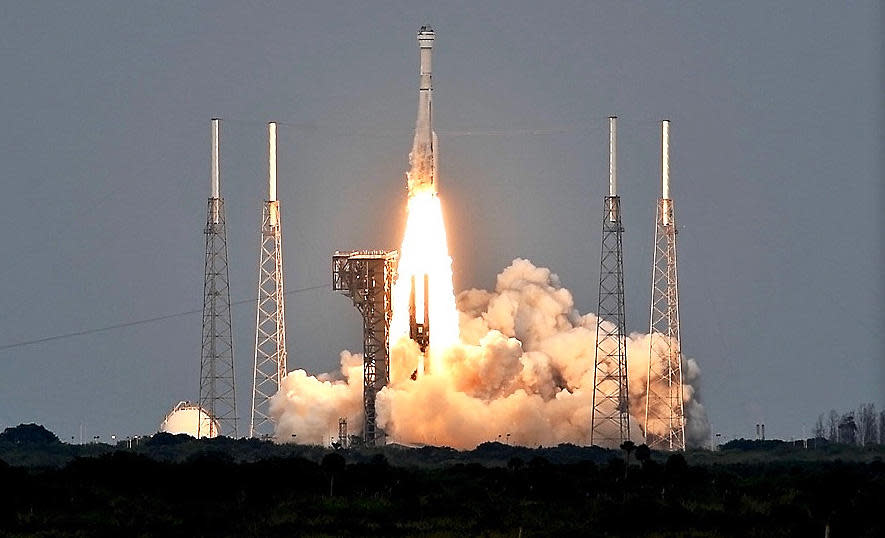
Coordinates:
(308, 407)
(524, 367)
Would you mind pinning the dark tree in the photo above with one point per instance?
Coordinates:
(168, 439)
(628, 447)
(643, 454)
(833, 426)
(676, 465)
(882, 427)
(29, 434)
(866, 424)
(847, 429)
(333, 463)
(820, 431)
(539, 462)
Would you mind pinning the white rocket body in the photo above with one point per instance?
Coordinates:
(424, 157)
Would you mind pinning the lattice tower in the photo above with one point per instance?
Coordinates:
(217, 386)
(270, 324)
(664, 408)
(610, 424)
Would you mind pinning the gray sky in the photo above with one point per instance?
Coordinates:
(777, 144)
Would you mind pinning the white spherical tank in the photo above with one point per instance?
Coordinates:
(189, 419)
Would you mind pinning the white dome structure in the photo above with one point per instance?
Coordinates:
(189, 419)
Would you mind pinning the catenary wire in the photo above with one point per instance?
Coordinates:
(138, 322)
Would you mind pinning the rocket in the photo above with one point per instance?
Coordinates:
(419, 322)
(424, 149)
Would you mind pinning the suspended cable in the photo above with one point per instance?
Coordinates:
(137, 322)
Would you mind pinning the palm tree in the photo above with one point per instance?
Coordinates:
(333, 463)
(628, 447)
(643, 453)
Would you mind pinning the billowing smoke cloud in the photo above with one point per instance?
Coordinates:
(524, 367)
(308, 407)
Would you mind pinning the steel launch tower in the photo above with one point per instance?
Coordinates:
(217, 387)
(610, 424)
(367, 276)
(270, 324)
(664, 410)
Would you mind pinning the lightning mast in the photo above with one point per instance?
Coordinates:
(217, 388)
(664, 410)
(270, 323)
(610, 423)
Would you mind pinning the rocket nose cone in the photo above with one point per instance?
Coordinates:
(426, 35)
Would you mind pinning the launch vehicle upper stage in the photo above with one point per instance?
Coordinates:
(424, 149)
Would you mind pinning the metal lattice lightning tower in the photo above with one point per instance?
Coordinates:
(664, 410)
(367, 277)
(270, 325)
(217, 387)
(610, 424)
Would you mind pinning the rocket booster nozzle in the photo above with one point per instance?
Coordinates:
(419, 330)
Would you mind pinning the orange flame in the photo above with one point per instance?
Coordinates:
(425, 251)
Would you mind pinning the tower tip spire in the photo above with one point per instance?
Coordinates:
(214, 188)
(665, 159)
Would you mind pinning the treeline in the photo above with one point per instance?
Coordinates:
(127, 493)
(862, 426)
(173, 485)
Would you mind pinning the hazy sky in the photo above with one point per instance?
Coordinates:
(777, 141)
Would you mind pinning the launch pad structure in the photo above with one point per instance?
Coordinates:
(664, 407)
(217, 387)
(610, 422)
(367, 276)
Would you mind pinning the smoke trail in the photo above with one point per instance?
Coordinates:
(524, 367)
